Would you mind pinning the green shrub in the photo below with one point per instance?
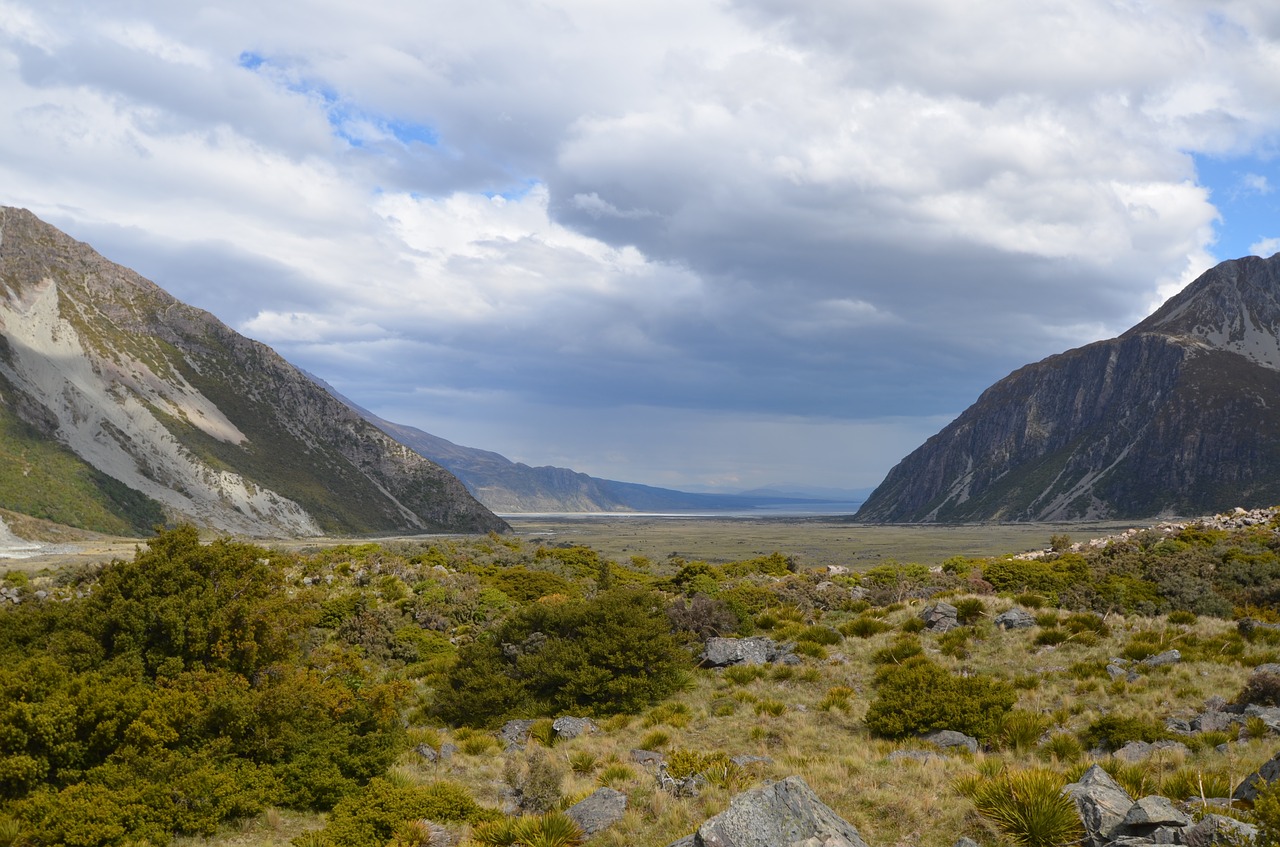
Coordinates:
(955, 642)
(615, 775)
(1183, 617)
(864, 626)
(1046, 577)
(810, 649)
(837, 698)
(1063, 747)
(1261, 689)
(743, 674)
(904, 647)
(715, 767)
(1029, 807)
(912, 625)
(1021, 730)
(774, 708)
(918, 696)
(970, 610)
(369, 818)
(1112, 732)
(553, 829)
(1051, 637)
(612, 653)
(1266, 811)
(819, 634)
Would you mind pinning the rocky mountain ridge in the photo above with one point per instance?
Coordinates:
(1176, 416)
(151, 408)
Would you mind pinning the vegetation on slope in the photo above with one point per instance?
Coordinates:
(226, 689)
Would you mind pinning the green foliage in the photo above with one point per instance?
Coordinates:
(553, 829)
(904, 647)
(1261, 689)
(369, 818)
(524, 585)
(1029, 808)
(1112, 732)
(1266, 811)
(716, 767)
(1021, 730)
(611, 653)
(1043, 576)
(919, 696)
(970, 610)
(864, 626)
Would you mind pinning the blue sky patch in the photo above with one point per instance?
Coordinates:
(1246, 192)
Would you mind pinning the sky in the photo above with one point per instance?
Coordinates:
(701, 245)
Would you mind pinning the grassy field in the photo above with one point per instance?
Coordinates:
(814, 542)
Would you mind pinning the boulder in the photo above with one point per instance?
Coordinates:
(647, 758)
(1168, 657)
(516, 732)
(948, 738)
(1219, 829)
(567, 727)
(1151, 812)
(1247, 791)
(1101, 803)
(940, 617)
(1015, 618)
(757, 650)
(922, 756)
(781, 814)
(1136, 751)
(600, 810)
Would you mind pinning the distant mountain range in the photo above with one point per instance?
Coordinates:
(121, 407)
(1180, 415)
(514, 487)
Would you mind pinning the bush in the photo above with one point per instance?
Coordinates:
(369, 818)
(864, 626)
(919, 696)
(1029, 807)
(612, 653)
(1262, 689)
(1112, 732)
(970, 610)
(903, 647)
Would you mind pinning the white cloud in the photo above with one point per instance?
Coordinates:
(1265, 247)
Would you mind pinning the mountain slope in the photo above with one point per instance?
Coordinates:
(1179, 415)
(160, 399)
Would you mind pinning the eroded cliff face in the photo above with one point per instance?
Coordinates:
(173, 404)
(1180, 415)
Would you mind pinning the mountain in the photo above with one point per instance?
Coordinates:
(513, 487)
(121, 407)
(1180, 415)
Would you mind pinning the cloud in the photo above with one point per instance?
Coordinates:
(776, 222)
(1265, 247)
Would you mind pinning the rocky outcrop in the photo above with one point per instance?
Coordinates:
(940, 617)
(1015, 618)
(598, 811)
(169, 406)
(782, 814)
(757, 650)
(1101, 803)
(1175, 416)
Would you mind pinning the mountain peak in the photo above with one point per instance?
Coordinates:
(1234, 306)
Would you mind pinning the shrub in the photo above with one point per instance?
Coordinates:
(1029, 807)
(743, 674)
(912, 625)
(1266, 811)
(1114, 731)
(1182, 617)
(819, 634)
(583, 762)
(715, 767)
(1262, 689)
(955, 643)
(864, 626)
(615, 775)
(369, 818)
(612, 653)
(918, 696)
(774, 708)
(837, 698)
(1062, 746)
(1051, 637)
(1020, 729)
(970, 610)
(702, 617)
(553, 829)
(655, 740)
(903, 648)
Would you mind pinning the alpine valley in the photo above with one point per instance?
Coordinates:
(1178, 416)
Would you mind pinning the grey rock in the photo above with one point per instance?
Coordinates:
(1168, 657)
(757, 650)
(1272, 668)
(940, 617)
(781, 814)
(1101, 803)
(567, 727)
(747, 759)
(648, 758)
(1015, 618)
(1247, 791)
(948, 738)
(447, 750)
(962, 841)
(515, 732)
(427, 752)
(1153, 811)
(1131, 841)
(1219, 829)
(1213, 721)
(1270, 715)
(1168, 834)
(599, 811)
(1178, 725)
(1115, 671)
(1136, 751)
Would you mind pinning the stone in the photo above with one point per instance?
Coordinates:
(1219, 829)
(780, 814)
(757, 650)
(746, 759)
(948, 738)
(1015, 618)
(1101, 803)
(515, 732)
(601, 810)
(1178, 725)
(567, 727)
(1168, 657)
(648, 758)
(1153, 811)
(1247, 791)
(1136, 751)
(940, 617)
(962, 841)
(1213, 721)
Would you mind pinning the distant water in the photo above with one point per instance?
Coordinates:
(815, 509)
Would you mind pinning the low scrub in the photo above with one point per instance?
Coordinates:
(1027, 806)
(919, 696)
